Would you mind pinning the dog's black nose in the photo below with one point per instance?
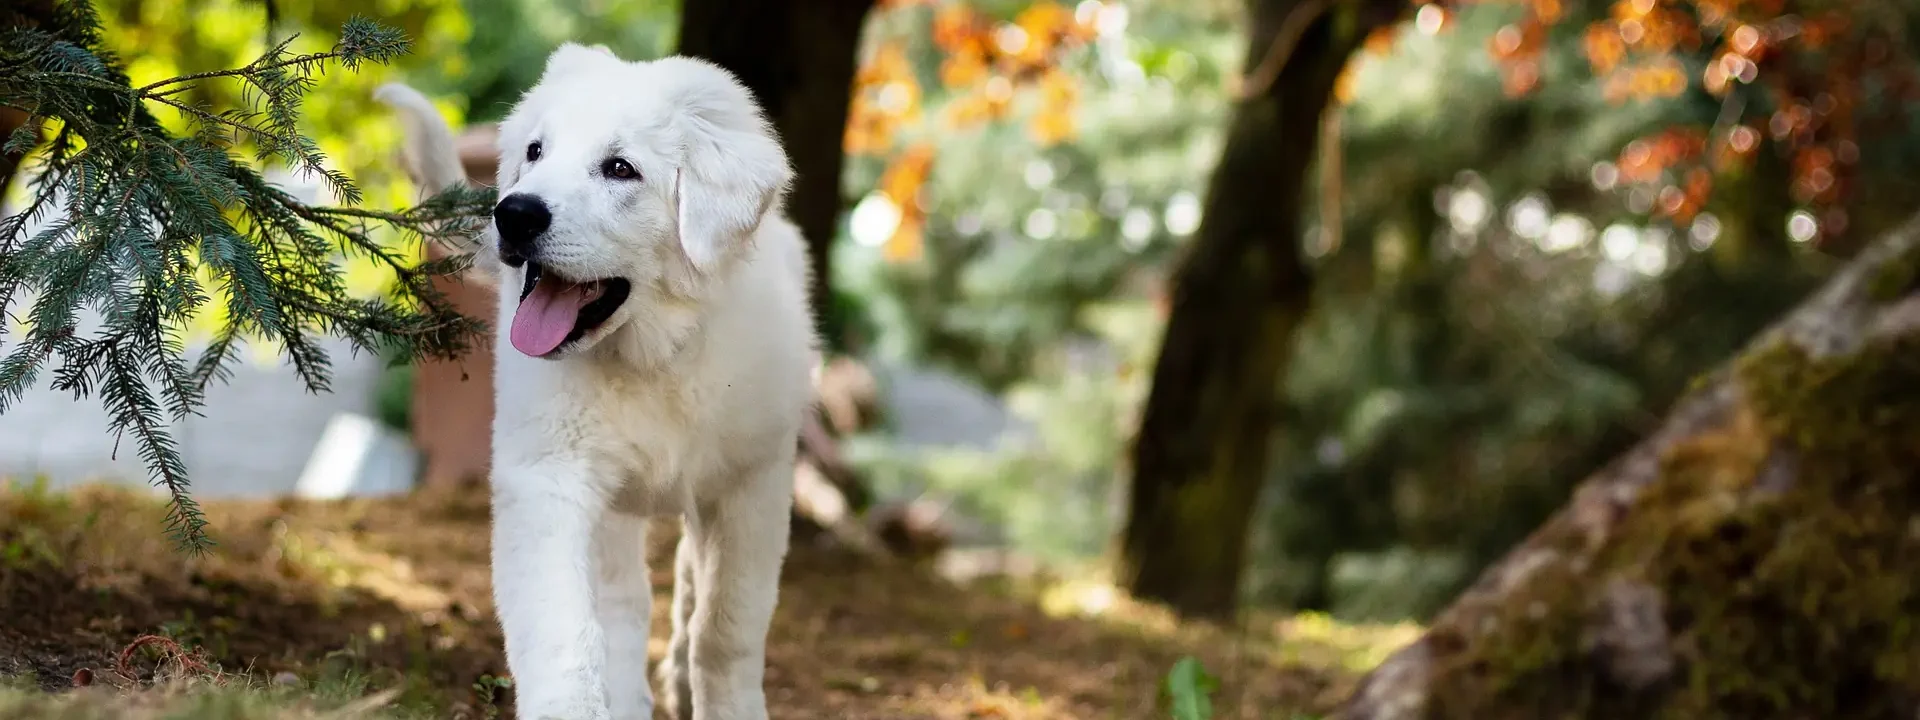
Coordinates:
(521, 218)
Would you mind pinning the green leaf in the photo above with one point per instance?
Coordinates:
(1190, 689)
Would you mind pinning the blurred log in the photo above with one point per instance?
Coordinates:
(917, 529)
(849, 395)
(820, 503)
(847, 399)
(1756, 556)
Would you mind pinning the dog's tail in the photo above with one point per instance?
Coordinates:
(429, 155)
(431, 159)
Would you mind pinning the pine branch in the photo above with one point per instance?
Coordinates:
(134, 215)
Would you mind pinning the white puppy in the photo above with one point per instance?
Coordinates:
(654, 360)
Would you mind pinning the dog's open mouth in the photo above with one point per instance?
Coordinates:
(555, 311)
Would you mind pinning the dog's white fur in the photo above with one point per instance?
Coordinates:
(687, 402)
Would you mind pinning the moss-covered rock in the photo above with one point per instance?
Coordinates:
(1795, 594)
(1758, 557)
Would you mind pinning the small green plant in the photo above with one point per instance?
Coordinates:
(28, 549)
(1189, 688)
(487, 689)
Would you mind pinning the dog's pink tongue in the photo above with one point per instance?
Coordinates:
(547, 314)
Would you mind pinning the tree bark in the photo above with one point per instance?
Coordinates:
(1200, 456)
(21, 14)
(798, 57)
(1756, 556)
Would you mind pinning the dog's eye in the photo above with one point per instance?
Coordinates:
(619, 169)
(533, 151)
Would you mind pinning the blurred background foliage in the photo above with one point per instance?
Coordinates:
(1517, 269)
(1508, 293)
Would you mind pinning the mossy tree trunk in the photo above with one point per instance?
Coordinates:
(1757, 556)
(798, 57)
(1200, 456)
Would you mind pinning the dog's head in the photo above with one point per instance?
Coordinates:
(625, 185)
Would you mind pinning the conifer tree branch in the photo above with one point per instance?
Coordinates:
(129, 220)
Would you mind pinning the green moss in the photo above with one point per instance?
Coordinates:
(1786, 544)
(1798, 603)
(1896, 278)
(1523, 662)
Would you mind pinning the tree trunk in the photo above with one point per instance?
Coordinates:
(1200, 457)
(1757, 556)
(798, 57)
(10, 121)
(27, 14)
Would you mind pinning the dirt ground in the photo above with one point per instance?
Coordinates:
(392, 595)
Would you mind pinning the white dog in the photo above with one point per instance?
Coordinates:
(655, 360)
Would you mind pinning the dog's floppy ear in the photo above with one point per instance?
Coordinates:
(734, 168)
(570, 58)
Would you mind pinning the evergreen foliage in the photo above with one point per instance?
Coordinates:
(144, 227)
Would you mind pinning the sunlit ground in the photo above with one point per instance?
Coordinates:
(307, 606)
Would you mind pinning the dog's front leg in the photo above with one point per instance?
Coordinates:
(625, 599)
(742, 540)
(543, 524)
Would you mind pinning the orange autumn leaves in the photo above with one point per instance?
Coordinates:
(1762, 45)
(1634, 49)
(982, 60)
(1805, 61)
(986, 61)
(984, 65)
(901, 184)
(886, 97)
(1518, 46)
(1649, 160)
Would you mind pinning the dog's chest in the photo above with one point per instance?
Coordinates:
(663, 449)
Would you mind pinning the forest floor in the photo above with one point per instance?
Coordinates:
(380, 609)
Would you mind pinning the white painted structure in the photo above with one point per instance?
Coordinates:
(254, 437)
